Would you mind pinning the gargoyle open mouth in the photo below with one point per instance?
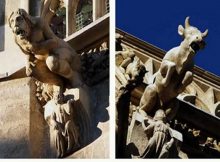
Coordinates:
(195, 46)
(20, 32)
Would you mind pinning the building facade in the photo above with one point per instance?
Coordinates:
(196, 117)
(24, 131)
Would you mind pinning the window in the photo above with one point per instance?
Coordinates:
(107, 6)
(84, 14)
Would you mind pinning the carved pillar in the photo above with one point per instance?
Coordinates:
(71, 7)
(34, 6)
(98, 8)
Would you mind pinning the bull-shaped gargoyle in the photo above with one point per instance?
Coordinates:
(175, 72)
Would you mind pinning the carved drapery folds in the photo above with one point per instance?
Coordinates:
(162, 143)
(68, 120)
(64, 129)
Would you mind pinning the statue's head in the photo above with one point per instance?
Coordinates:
(160, 115)
(20, 23)
(192, 35)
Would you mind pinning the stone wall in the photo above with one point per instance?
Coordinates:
(22, 129)
(25, 134)
(99, 133)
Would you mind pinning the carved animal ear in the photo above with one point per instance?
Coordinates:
(181, 30)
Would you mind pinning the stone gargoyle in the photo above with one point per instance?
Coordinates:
(49, 58)
(175, 71)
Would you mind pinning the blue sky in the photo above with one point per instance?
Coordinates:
(156, 21)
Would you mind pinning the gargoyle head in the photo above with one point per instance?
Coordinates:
(160, 115)
(20, 23)
(193, 36)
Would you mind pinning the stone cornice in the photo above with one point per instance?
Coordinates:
(88, 37)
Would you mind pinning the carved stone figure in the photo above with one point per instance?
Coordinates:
(133, 69)
(160, 140)
(175, 72)
(128, 66)
(49, 58)
(71, 129)
(58, 68)
(60, 118)
(44, 92)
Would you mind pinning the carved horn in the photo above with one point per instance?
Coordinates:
(187, 22)
(205, 33)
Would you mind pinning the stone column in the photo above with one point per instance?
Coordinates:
(34, 6)
(98, 9)
(71, 7)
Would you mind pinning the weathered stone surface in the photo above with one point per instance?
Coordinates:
(15, 117)
(136, 139)
(32, 130)
(99, 132)
(97, 149)
(22, 131)
(203, 92)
